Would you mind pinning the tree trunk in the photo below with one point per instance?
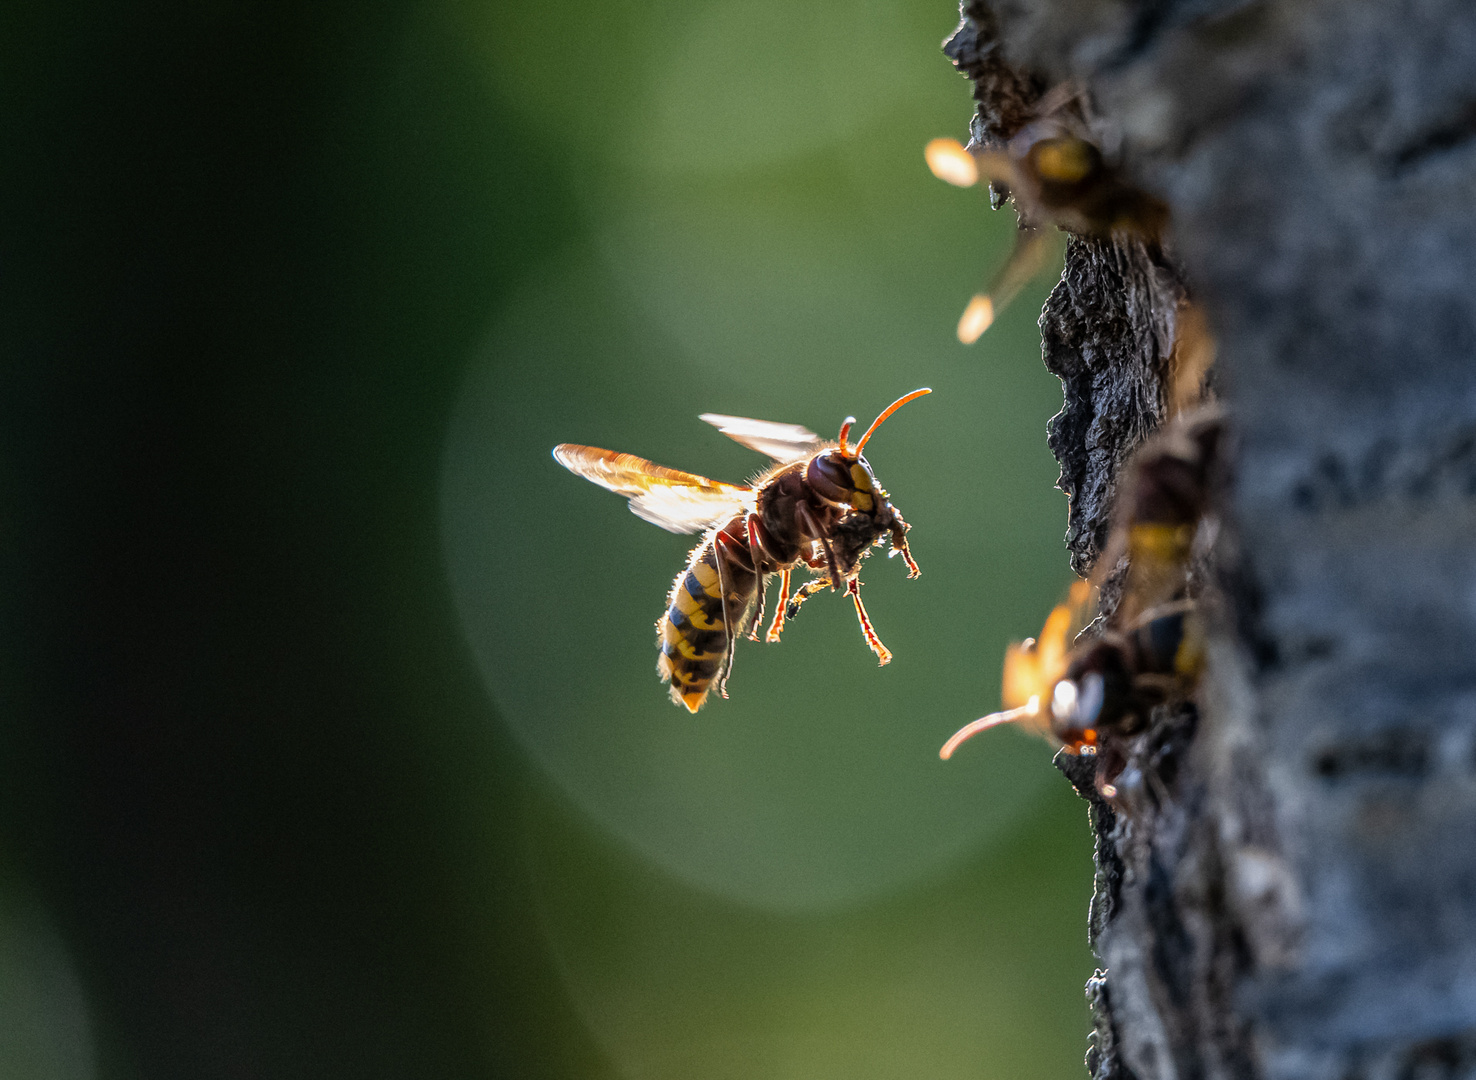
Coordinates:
(1295, 896)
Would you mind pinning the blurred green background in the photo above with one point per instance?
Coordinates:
(332, 742)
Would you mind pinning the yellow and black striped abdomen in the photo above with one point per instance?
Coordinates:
(692, 635)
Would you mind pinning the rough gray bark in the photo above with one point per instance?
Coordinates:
(1107, 332)
(1294, 895)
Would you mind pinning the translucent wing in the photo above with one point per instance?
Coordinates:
(782, 442)
(680, 502)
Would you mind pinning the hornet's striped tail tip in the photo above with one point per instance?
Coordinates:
(691, 699)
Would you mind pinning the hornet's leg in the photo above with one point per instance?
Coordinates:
(723, 551)
(883, 654)
(809, 525)
(899, 546)
(755, 546)
(803, 593)
(778, 624)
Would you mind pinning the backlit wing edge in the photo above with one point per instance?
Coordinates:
(782, 442)
(679, 502)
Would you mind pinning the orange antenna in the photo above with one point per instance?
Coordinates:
(977, 318)
(950, 161)
(888, 411)
(1025, 712)
(846, 426)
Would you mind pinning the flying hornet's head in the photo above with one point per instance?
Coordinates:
(842, 476)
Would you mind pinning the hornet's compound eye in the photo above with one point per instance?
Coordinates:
(1076, 705)
(830, 475)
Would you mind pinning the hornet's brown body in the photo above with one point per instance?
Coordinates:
(822, 507)
(1088, 694)
(715, 598)
(1057, 176)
